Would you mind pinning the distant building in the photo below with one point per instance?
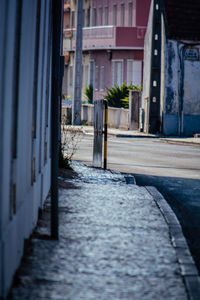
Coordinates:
(26, 70)
(171, 95)
(113, 41)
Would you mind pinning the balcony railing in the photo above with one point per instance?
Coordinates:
(103, 37)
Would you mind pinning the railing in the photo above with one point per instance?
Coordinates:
(105, 37)
(98, 32)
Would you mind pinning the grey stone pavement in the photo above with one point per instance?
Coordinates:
(117, 241)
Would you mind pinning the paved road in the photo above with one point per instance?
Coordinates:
(174, 169)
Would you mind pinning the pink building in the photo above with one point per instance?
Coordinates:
(113, 42)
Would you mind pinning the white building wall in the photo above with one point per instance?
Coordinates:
(18, 220)
(181, 113)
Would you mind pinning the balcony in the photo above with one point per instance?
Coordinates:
(106, 37)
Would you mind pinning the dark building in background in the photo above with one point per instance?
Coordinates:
(171, 95)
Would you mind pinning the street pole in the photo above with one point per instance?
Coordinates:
(57, 11)
(155, 79)
(76, 107)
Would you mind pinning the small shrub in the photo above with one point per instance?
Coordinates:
(89, 93)
(119, 96)
(70, 138)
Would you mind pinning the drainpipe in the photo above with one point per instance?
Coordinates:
(181, 89)
(57, 13)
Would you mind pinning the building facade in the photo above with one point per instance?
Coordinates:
(171, 92)
(113, 41)
(25, 125)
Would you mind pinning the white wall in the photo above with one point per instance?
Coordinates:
(22, 87)
(179, 95)
(181, 109)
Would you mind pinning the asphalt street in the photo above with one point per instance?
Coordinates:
(174, 169)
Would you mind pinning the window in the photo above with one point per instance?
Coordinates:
(96, 78)
(106, 15)
(134, 72)
(71, 76)
(92, 73)
(122, 11)
(117, 72)
(115, 15)
(102, 79)
(86, 73)
(94, 18)
(130, 14)
(83, 18)
(100, 16)
(73, 19)
(88, 18)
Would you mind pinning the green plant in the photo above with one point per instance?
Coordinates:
(89, 93)
(115, 95)
(119, 96)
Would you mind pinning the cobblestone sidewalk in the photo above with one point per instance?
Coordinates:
(114, 244)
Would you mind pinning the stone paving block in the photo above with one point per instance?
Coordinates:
(188, 269)
(114, 244)
(184, 256)
(179, 242)
(154, 192)
(170, 217)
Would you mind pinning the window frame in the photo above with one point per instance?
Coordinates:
(133, 61)
(100, 16)
(122, 14)
(106, 15)
(122, 71)
(114, 15)
(102, 78)
(96, 78)
(94, 16)
(130, 14)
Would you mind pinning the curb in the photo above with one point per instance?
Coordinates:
(141, 136)
(136, 136)
(179, 142)
(188, 268)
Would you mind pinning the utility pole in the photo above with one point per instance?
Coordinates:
(57, 11)
(154, 109)
(76, 107)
